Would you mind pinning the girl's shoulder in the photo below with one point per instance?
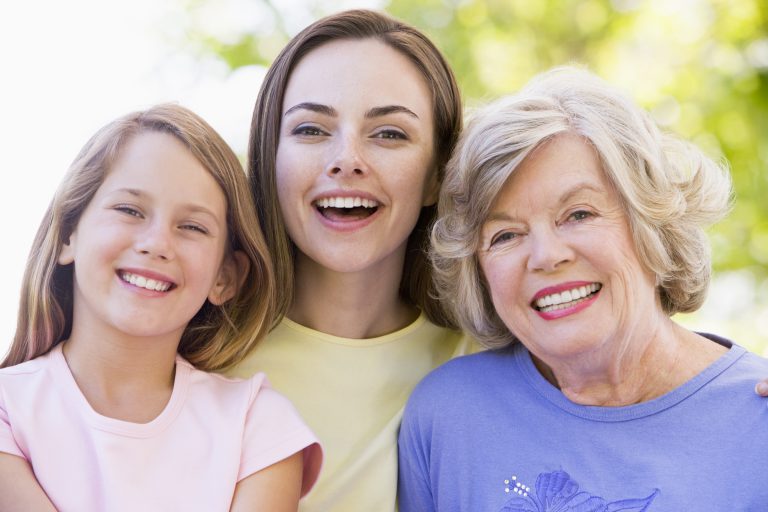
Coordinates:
(219, 386)
(28, 369)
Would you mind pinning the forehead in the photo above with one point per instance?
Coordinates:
(358, 73)
(158, 161)
(563, 165)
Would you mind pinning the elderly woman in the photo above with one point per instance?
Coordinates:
(570, 230)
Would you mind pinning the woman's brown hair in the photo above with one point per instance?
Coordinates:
(416, 286)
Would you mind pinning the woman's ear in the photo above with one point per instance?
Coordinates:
(232, 273)
(431, 189)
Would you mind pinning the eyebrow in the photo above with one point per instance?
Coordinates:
(564, 197)
(331, 112)
(133, 191)
(389, 109)
(313, 107)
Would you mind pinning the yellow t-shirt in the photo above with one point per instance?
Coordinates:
(352, 392)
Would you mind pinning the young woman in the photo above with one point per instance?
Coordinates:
(352, 127)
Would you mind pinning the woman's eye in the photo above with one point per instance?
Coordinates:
(308, 131)
(501, 238)
(391, 134)
(580, 215)
(128, 210)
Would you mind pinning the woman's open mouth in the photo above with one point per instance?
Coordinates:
(346, 208)
(566, 299)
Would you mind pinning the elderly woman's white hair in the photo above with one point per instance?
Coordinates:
(669, 189)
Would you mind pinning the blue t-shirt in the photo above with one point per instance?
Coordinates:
(487, 433)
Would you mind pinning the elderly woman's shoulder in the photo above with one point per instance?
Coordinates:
(465, 375)
(735, 373)
(737, 350)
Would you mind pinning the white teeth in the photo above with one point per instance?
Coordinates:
(346, 202)
(556, 299)
(143, 282)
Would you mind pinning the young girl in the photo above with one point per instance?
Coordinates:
(148, 267)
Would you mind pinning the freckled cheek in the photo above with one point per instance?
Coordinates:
(298, 159)
(292, 180)
(286, 169)
(408, 181)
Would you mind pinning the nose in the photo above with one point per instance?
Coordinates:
(347, 158)
(549, 251)
(156, 241)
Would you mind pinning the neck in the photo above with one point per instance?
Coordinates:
(358, 305)
(122, 377)
(642, 367)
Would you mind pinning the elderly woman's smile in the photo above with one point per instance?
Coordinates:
(559, 259)
(570, 230)
(557, 301)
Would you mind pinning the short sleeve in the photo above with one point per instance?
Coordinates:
(274, 431)
(413, 489)
(7, 442)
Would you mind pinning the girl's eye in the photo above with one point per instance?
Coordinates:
(194, 227)
(503, 237)
(391, 135)
(308, 131)
(128, 210)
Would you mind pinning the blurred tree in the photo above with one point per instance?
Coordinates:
(700, 66)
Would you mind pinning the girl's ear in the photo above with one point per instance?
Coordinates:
(67, 251)
(232, 274)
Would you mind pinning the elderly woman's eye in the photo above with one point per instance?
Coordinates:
(502, 237)
(580, 215)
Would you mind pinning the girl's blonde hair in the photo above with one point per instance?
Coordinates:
(669, 189)
(217, 336)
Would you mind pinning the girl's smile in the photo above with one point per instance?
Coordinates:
(145, 280)
(148, 248)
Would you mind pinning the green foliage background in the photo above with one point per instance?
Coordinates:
(700, 66)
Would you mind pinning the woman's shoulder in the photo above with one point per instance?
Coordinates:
(479, 360)
(737, 362)
(461, 375)
(740, 366)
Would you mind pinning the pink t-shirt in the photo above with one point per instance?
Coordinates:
(213, 432)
